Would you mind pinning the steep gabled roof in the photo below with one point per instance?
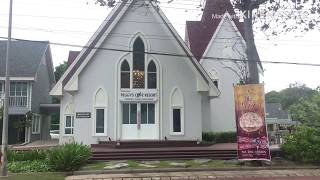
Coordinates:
(201, 32)
(72, 56)
(100, 35)
(25, 57)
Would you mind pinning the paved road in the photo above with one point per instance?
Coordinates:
(296, 174)
(275, 178)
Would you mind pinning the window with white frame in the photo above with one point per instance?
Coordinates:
(177, 113)
(100, 121)
(138, 64)
(69, 124)
(100, 112)
(35, 124)
(125, 75)
(18, 94)
(1, 88)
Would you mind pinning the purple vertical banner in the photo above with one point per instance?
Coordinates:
(252, 135)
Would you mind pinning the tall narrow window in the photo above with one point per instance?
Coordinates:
(99, 121)
(129, 113)
(35, 124)
(100, 114)
(152, 76)
(177, 113)
(147, 114)
(125, 74)
(69, 124)
(138, 64)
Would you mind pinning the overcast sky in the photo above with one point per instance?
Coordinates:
(74, 22)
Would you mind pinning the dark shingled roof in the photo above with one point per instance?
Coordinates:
(25, 57)
(274, 110)
(201, 32)
(72, 56)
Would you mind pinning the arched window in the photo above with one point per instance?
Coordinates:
(152, 75)
(138, 64)
(177, 112)
(125, 74)
(214, 76)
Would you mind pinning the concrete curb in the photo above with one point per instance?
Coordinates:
(163, 170)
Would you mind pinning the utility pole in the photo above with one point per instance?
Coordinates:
(4, 147)
(251, 51)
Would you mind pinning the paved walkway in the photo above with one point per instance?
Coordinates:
(253, 174)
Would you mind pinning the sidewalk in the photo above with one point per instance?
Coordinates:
(201, 175)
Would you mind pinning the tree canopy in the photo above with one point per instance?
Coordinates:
(59, 70)
(290, 95)
(307, 111)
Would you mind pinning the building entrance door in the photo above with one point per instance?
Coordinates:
(139, 122)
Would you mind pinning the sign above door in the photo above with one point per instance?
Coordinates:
(138, 95)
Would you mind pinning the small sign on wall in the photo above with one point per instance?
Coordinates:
(83, 114)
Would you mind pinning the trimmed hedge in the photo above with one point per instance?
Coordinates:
(219, 137)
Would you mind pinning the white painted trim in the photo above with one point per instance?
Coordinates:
(214, 91)
(57, 89)
(182, 117)
(95, 134)
(225, 17)
(19, 78)
(64, 124)
(100, 106)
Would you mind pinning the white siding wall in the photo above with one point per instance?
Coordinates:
(101, 71)
(225, 45)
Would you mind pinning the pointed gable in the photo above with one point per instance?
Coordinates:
(201, 32)
(106, 34)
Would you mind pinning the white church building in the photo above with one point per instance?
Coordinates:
(152, 88)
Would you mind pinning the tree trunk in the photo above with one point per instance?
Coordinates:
(251, 51)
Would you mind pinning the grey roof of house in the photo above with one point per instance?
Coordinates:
(25, 57)
(274, 110)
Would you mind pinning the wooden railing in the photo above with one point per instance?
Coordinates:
(18, 101)
(1, 99)
(15, 101)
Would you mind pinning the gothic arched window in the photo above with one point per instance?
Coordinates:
(125, 74)
(152, 75)
(138, 64)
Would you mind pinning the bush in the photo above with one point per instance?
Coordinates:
(68, 157)
(28, 166)
(26, 155)
(220, 137)
(303, 145)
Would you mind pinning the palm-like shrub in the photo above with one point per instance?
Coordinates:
(69, 157)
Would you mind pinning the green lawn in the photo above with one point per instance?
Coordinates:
(163, 164)
(37, 176)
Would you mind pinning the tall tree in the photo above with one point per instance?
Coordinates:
(59, 70)
(307, 111)
(275, 16)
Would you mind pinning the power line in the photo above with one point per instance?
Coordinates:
(170, 54)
